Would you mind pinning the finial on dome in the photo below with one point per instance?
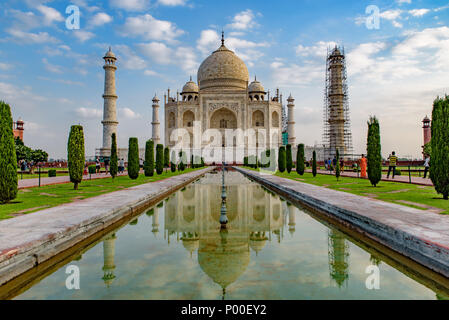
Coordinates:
(190, 78)
(110, 49)
(255, 78)
(222, 38)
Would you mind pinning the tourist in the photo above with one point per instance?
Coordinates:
(334, 163)
(426, 165)
(392, 164)
(97, 165)
(122, 165)
(363, 163)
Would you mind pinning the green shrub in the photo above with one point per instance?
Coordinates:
(113, 168)
(337, 166)
(439, 169)
(300, 160)
(75, 151)
(8, 158)
(133, 158)
(374, 155)
(289, 160)
(166, 157)
(282, 161)
(92, 169)
(181, 165)
(52, 173)
(397, 172)
(202, 162)
(314, 163)
(148, 166)
(159, 159)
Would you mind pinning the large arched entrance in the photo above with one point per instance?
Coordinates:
(224, 119)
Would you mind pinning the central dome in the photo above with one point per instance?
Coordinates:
(223, 69)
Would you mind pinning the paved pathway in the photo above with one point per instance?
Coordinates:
(422, 235)
(28, 240)
(34, 182)
(404, 178)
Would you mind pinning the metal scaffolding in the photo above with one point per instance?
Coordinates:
(337, 123)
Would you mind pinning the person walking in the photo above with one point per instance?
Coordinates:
(122, 165)
(426, 165)
(363, 165)
(392, 164)
(106, 165)
(97, 165)
(334, 163)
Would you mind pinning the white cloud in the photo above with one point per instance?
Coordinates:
(319, 49)
(130, 5)
(51, 67)
(127, 113)
(209, 40)
(150, 73)
(172, 2)
(150, 28)
(100, 19)
(89, 113)
(129, 59)
(391, 14)
(243, 20)
(83, 35)
(50, 14)
(31, 38)
(184, 57)
(5, 66)
(404, 1)
(418, 12)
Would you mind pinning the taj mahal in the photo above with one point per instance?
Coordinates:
(222, 117)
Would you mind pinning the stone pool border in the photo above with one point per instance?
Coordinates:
(29, 240)
(390, 225)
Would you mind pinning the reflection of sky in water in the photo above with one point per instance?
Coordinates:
(271, 251)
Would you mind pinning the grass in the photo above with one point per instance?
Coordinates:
(419, 197)
(35, 199)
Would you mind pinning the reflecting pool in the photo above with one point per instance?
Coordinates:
(271, 249)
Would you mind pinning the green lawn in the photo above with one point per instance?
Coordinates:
(419, 197)
(35, 199)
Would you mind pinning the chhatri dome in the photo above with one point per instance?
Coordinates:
(223, 69)
(256, 87)
(190, 87)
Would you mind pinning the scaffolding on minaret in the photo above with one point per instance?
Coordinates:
(336, 116)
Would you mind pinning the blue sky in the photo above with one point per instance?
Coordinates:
(53, 77)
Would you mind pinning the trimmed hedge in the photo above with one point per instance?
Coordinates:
(52, 173)
(300, 168)
(282, 161)
(133, 158)
(289, 158)
(148, 166)
(75, 155)
(159, 159)
(314, 163)
(8, 157)
(166, 157)
(113, 169)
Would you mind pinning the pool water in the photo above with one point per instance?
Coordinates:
(270, 250)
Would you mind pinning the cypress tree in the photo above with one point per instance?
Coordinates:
(282, 161)
(300, 168)
(166, 157)
(289, 158)
(337, 167)
(181, 165)
(374, 155)
(202, 162)
(159, 159)
(314, 163)
(133, 158)
(8, 158)
(439, 169)
(148, 166)
(114, 158)
(172, 164)
(75, 155)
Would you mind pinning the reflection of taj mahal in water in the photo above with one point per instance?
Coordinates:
(256, 217)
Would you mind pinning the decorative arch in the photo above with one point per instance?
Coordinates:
(171, 120)
(187, 119)
(275, 119)
(258, 119)
(223, 119)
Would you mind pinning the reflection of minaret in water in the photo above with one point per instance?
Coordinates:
(338, 257)
(291, 218)
(108, 255)
(155, 219)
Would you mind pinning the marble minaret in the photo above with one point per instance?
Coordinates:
(108, 256)
(156, 124)
(110, 102)
(291, 121)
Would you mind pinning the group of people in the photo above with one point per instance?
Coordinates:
(121, 165)
(331, 165)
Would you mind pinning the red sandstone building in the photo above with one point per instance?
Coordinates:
(426, 131)
(17, 128)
